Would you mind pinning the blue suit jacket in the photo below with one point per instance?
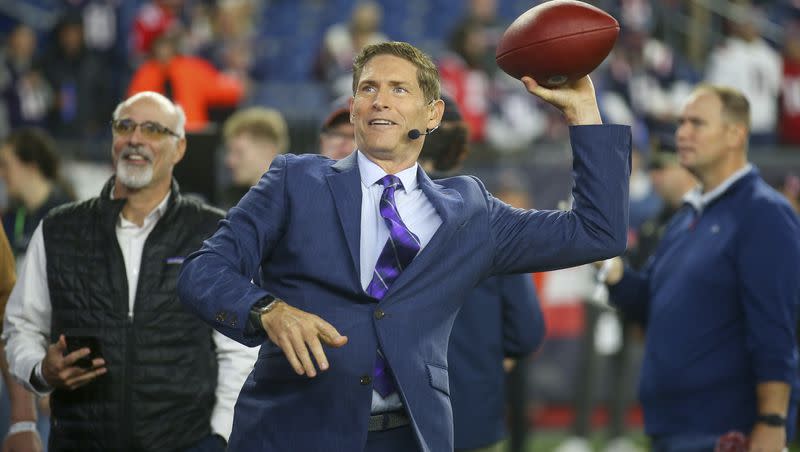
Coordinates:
(297, 233)
(500, 318)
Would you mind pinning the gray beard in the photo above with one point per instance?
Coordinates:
(134, 177)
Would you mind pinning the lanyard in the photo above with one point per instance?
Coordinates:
(19, 224)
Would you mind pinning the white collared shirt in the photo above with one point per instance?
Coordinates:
(26, 329)
(419, 216)
(699, 200)
(131, 238)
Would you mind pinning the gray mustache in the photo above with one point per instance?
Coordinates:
(136, 150)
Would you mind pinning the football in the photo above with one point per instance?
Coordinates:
(556, 42)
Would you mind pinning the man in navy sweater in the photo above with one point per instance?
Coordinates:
(719, 297)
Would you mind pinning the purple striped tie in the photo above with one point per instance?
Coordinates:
(400, 249)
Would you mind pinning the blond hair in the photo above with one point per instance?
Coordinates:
(260, 123)
(735, 106)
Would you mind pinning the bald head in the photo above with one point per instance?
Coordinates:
(173, 110)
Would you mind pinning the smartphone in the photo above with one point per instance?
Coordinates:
(75, 343)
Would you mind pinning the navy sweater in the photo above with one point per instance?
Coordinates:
(719, 299)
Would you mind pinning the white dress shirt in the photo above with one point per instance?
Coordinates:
(26, 329)
(419, 216)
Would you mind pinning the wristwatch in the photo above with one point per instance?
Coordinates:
(258, 309)
(771, 419)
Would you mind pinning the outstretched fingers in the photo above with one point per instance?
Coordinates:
(301, 336)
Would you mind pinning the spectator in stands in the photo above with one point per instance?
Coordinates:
(190, 81)
(229, 48)
(253, 137)
(671, 182)
(791, 190)
(644, 201)
(790, 87)
(29, 167)
(646, 81)
(725, 276)
(465, 77)
(24, 93)
(105, 269)
(153, 20)
(83, 98)
(746, 61)
(342, 42)
(337, 137)
(483, 14)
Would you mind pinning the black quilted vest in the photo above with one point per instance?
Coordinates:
(158, 392)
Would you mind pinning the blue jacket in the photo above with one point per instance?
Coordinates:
(297, 232)
(719, 298)
(500, 318)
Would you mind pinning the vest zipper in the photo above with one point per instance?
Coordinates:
(126, 381)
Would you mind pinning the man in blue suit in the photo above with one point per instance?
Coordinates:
(372, 259)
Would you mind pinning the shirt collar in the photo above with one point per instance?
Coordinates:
(699, 200)
(371, 173)
(152, 217)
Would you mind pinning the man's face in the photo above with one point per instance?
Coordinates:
(248, 158)
(337, 142)
(670, 180)
(389, 102)
(703, 137)
(12, 171)
(142, 160)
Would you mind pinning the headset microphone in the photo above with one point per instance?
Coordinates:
(413, 134)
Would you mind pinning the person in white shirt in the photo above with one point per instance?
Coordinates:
(95, 318)
(746, 61)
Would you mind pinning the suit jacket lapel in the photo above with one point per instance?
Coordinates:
(449, 205)
(345, 184)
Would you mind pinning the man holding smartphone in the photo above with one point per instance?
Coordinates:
(95, 318)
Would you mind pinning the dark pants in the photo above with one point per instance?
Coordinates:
(399, 439)
(684, 443)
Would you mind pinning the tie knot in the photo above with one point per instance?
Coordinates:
(390, 180)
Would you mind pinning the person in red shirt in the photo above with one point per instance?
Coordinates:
(790, 88)
(153, 20)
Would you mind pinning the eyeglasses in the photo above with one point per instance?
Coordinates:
(149, 129)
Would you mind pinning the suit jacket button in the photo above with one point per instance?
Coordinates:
(366, 379)
(379, 314)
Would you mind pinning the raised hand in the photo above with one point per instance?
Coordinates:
(576, 100)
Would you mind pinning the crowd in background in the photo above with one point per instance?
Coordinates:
(65, 64)
(65, 70)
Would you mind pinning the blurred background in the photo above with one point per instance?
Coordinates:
(65, 64)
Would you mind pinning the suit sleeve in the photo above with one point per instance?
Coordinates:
(216, 281)
(523, 322)
(596, 227)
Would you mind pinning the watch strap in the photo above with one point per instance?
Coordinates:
(771, 419)
(256, 311)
